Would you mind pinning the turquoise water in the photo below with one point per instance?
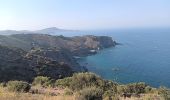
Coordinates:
(143, 56)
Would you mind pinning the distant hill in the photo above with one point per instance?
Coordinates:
(54, 31)
(50, 31)
(9, 32)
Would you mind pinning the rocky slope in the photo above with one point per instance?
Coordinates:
(18, 65)
(13, 66)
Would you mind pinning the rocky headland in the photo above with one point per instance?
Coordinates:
(25, 56)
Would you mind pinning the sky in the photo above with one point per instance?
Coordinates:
(83, 14)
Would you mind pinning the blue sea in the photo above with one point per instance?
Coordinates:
(143, 56)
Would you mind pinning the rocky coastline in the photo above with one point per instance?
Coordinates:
(46, 55)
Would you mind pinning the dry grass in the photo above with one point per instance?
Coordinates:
(23, 96)
(5, 95)
(152, 96)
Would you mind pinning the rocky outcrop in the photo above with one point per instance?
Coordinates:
(89, 44)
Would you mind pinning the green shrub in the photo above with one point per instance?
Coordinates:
(2, 84)
(43, 81)
(109, 93)
(18, 86)
(90, 94)
(121, 89)
(164, 92)
(68, 92)
(136, 88)
(148, 89)
(83, 80)
(80, 81)
(63, 82)
(110, 85)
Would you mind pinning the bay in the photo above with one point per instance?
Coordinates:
(143, 56)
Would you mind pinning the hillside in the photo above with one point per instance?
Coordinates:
(17, 64)
(26, 56)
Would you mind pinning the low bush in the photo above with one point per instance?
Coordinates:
(18, 86)
(164, 92)
(136, 88)
(43, 81)
(83, 80)
(68, 92)
(2, 84)
(121, 89)
(90, 94)
(63, 82)
(149, 89)
(111, 86)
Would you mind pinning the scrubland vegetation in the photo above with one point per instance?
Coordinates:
(81, 86)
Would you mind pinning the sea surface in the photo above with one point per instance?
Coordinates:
(143, 56)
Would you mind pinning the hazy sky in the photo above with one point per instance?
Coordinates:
(83, 14)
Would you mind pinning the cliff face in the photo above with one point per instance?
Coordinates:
(90, 44)
(106, 42)
(95, 42)
(45, 55)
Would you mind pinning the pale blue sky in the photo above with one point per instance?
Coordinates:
(83, 14)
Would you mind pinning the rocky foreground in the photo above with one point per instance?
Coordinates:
(25, 56)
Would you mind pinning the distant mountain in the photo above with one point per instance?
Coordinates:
(50, 31)
(53, 31)
(9, 32)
